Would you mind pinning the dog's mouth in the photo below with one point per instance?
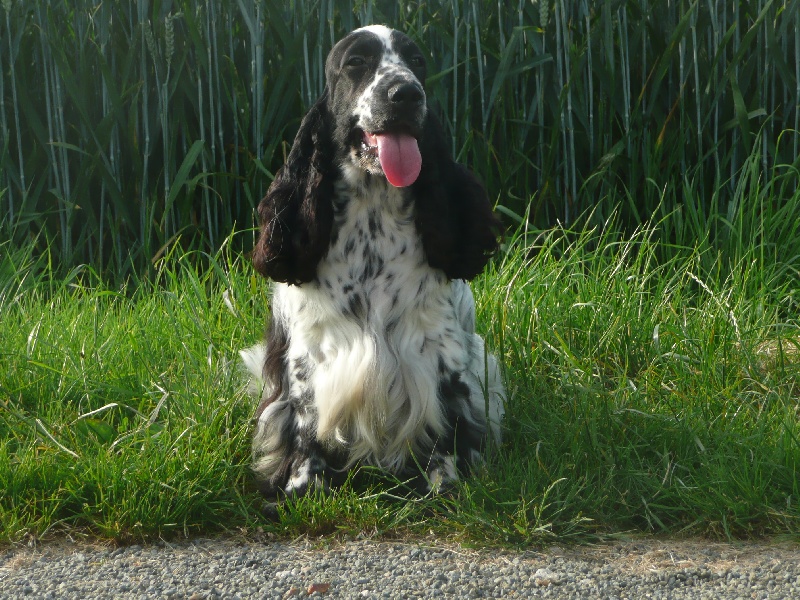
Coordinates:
(397, 153)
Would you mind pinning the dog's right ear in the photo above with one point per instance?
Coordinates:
(296, 215)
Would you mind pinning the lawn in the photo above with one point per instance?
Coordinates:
(652, 388)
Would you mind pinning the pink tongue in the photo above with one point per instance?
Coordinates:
(400, 158)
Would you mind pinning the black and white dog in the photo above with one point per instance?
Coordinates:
(369, 231)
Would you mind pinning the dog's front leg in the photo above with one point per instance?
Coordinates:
(287, 458)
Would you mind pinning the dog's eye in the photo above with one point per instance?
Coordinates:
(356, 61)
(417, 61)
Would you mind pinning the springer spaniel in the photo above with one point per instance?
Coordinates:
(369, 231)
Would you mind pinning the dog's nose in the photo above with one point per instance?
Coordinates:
(406, 94)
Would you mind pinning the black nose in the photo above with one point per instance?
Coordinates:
(406, 94)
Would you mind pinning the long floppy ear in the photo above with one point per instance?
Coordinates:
(454, 216)
(296, 215)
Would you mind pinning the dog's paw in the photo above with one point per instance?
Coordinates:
(269, 510)
(442, 475)
(307, 476)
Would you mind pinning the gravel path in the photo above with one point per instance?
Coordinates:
(365, 569)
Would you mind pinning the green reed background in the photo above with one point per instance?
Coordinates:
(127, 125)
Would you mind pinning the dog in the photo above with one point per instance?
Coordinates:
(369, 231)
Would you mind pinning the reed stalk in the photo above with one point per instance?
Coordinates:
(558, 106)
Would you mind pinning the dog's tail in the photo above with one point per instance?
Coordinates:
(253, 359)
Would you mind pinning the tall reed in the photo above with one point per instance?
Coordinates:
(127, 126)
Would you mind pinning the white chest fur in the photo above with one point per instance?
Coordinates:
(372, 337)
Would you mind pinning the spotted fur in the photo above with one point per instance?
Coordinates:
(371, 355)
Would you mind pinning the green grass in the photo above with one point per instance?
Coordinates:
(123, 409)
(656, 397)
(645, 394)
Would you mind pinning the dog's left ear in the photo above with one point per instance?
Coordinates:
(296, 215)
(454, 216)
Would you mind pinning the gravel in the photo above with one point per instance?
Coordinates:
(669, 569)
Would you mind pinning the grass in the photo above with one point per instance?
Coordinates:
(122, 409)
(651, 393)
(645, 394)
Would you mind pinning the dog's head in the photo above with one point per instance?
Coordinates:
(375, 79)
(372, 123)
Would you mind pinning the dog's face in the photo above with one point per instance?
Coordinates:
(375, 78)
